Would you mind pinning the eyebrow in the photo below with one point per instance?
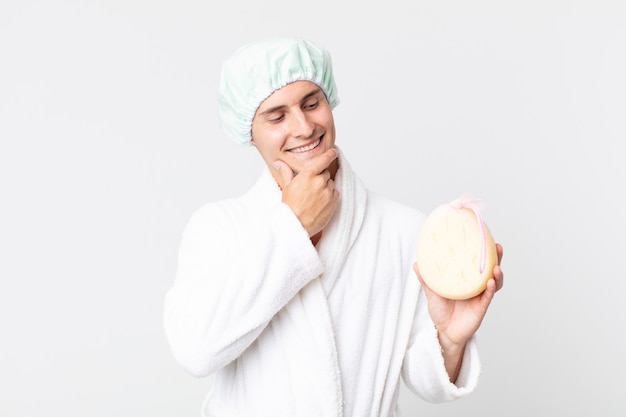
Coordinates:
(279, 107)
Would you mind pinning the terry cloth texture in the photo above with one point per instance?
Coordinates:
(288, 329)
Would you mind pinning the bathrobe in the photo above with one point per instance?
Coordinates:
(286, 328)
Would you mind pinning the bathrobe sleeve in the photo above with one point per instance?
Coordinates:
(237, 268)
(423, 369)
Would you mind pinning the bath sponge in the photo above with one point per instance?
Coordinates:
(456, 252)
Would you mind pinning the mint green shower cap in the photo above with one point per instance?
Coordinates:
(258, 69)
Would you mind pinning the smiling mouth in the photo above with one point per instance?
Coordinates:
(306, 148)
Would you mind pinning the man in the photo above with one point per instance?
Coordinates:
(300, 298)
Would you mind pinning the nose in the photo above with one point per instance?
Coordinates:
(301, 125)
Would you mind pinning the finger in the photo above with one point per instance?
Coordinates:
(330, 185)
(488, 294)
(323, 180)
(323, 161)
(498, 275)
(285, 172)
(500, 252)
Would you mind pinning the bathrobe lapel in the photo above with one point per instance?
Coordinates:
(337, 239)
(344, 226)
(313, 353)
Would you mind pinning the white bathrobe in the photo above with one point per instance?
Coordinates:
(288, 329)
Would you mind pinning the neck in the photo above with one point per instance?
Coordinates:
(316, 238)
(334, 166)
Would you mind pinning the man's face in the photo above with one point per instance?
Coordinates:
(295, 124)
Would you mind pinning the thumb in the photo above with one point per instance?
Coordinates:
(285, 172)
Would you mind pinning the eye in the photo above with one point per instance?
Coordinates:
(311, 104)
(275, 118)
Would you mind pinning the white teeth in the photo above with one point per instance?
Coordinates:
(306, 148)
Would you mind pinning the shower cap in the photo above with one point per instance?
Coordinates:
(258, 69)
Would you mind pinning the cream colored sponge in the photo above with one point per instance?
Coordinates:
(456, 252)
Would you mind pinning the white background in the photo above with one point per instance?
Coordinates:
(110, 140)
